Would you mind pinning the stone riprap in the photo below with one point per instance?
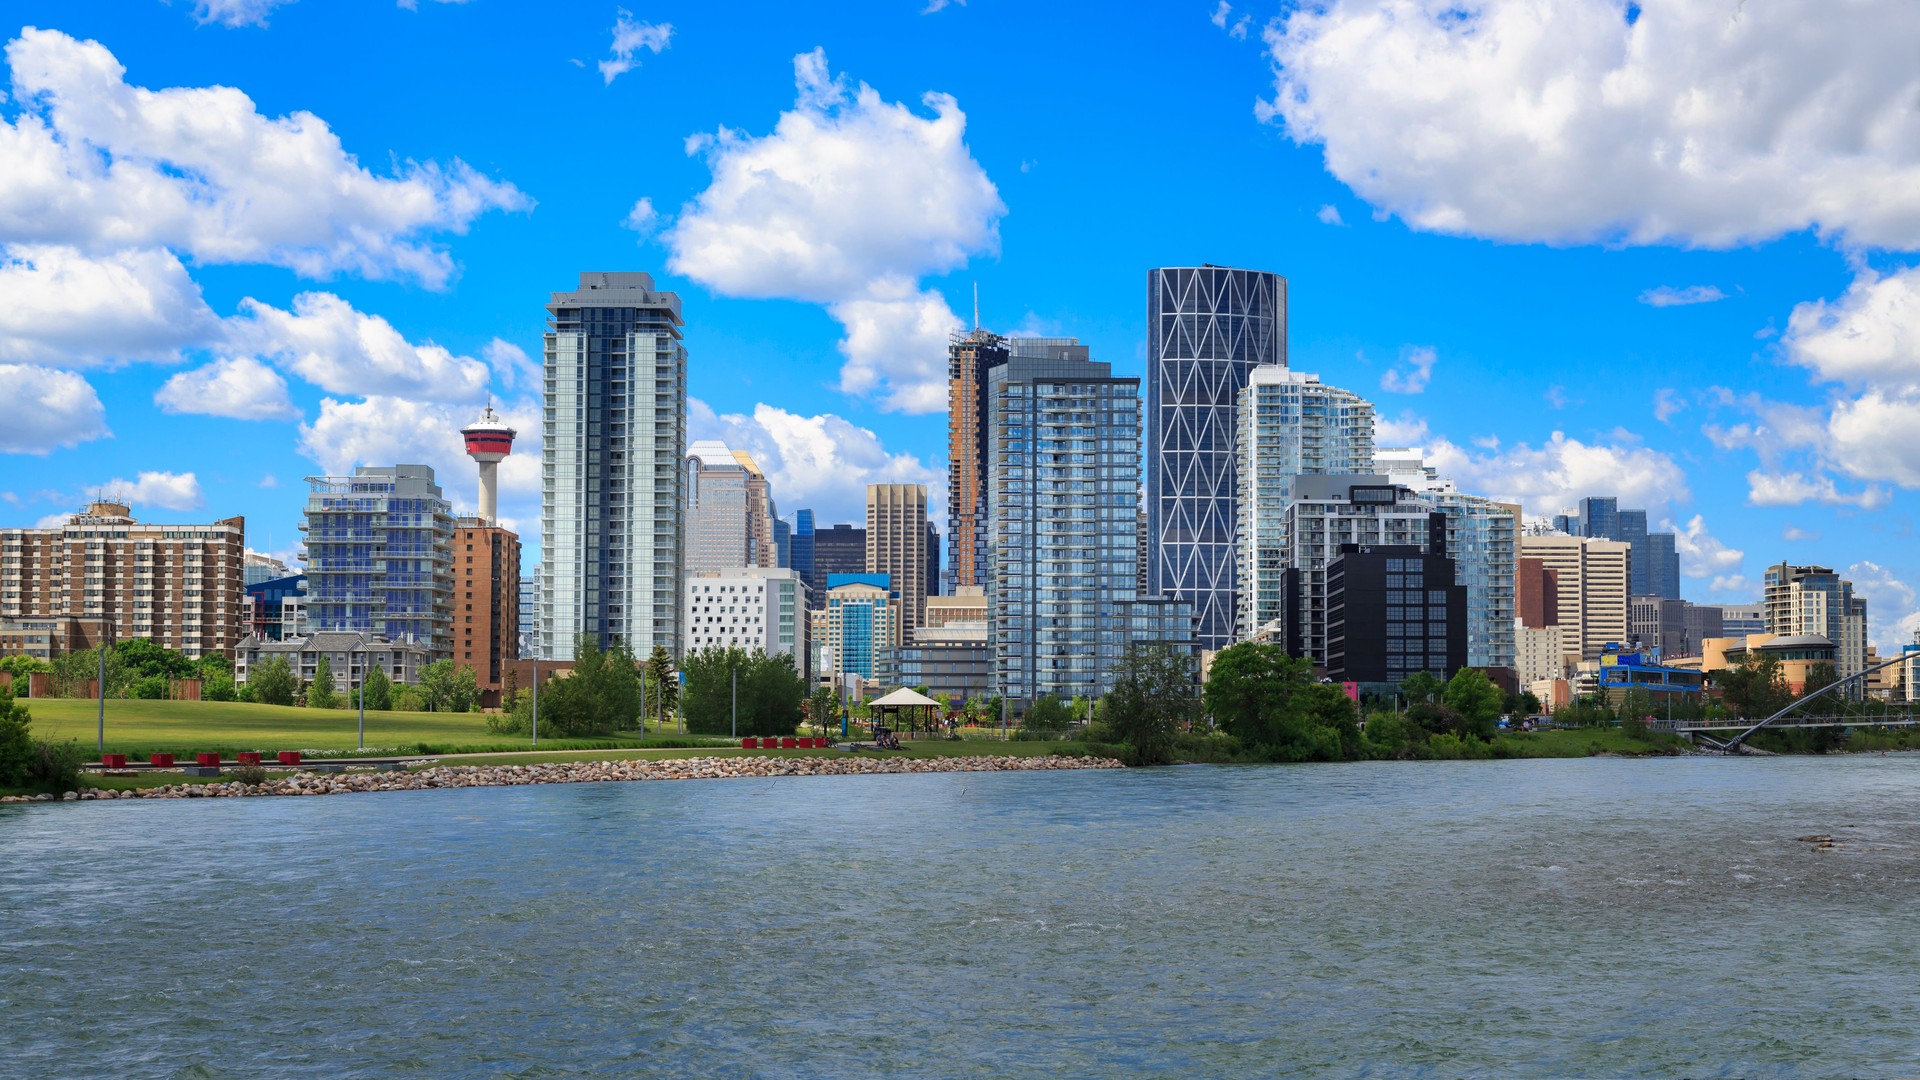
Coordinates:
(582, 772)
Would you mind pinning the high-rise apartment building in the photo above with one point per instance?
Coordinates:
(841, 549)
(1063, 496)
(1482, 537)
(486, 603)
(969, 358)
(897, 547)
(1656, 562)
(1592, 579)
(529, 612)
(613, 484)
(1325, 513)
(1393, 612)
(1208, 328)
(379, 556)
(180, 585)
(1536, 594)
(261, 567)
(1288, 424)
(1815, 600)
(933, 561)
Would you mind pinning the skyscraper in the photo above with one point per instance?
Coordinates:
(1592, 579)
(897, 547)
(379, 556)
(730, 513)
(801, 550)
(969, 358)
(1208, 327)
(613, 478)
(841, 549)
(1063, 440)
(1816, 600)
(1656, 561)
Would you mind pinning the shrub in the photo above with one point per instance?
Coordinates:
(250, 775)
(56, 765)
(151, 688)
(16, 742)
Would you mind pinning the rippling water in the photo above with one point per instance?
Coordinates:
(1438, 919)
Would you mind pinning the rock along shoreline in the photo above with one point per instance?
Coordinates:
(578, 772)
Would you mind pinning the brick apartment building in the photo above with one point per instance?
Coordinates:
(486, 603)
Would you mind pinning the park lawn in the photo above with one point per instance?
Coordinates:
(1581, 742)
(138, 728)
(928, 749)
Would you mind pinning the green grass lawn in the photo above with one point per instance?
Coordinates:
(1580, 742)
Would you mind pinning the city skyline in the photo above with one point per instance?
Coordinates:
(1735, 368)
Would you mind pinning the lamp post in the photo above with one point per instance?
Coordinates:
(363, 703)
(734, 672)
(536, 703)
(643, 703)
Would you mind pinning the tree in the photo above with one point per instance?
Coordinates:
(217, 687)
(146, 658)
(823, 709)
(16, 741)
(1153, 698)
(465, 693)
(273, 682)
(663, 686)
(322, 695)
(436, 685)
(151, 688)
(770, 690)
(1756, 687)
(211, 665)
(377, 689)
(1269, 700)
(617, 692)
(1422, 686)
(1819, 677)
(1048, 714)
(1472, 695)
(23, 668)
(72, 672)
(509, 690)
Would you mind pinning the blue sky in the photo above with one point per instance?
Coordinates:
(1568, 251)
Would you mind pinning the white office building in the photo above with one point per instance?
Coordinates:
(748, 607)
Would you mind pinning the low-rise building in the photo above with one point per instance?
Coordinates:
(348, 655)
(953, 658)
(50, 637)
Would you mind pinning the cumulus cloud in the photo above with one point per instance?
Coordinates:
(823, 462)
(1560, 471)
(344, 351)
(1733, 585)
(235, 12)
(1668, 296)
(1405, 430)
(849, 203)
(63, 307)
(1330, 215)
(1794, 488)
(512, 366)
(1703, 555)
(1236, 29)
(1666, 402)
(1568, 121)
(166, 490)
(1793, 533)
(1870, 335)
(46, 408)
(238, 387)
(384, 430)
(629, 37)
(1412, 374)
(642, 219)
(941, 5)
(92, 162)
(1893, 616)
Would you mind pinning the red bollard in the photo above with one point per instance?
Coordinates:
(289, 757)
(248, 758)
(210, 760)
(114, 761)
(161, 761)
(789, 743)
(749, 744)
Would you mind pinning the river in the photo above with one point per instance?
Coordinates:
(1590, 917)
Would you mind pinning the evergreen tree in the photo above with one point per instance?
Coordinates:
(322, 695)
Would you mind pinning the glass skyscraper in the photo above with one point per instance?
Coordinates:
(1655, 561)
(379, 554)
(612, 479)
(1063, 495)
(1208, 327)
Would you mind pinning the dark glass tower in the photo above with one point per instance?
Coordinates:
(1208, 327)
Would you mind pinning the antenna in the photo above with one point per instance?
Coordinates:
(976, 307)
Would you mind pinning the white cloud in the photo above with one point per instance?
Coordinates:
(1560, 471)
(1406, 430)
(1330, 215)
(511, 364)
(1733, 584)
(46, 408)
(1413, 377)
(1702, 555)
(1556, 396)
(92, 162)
(1794, 533)
(630, 37)
(1666, 402)
(1237, 28)
(1871, 335)
(239, 387)
(642, 219)
(392, 430)
(941, 5)
(848, 203)
(822, 462)
(414, 5)
(235, 12)
(1793, 488)
(166, 490)
(269, 481)
(1893, 616)
(1562, 120)
(343, 351)
(1668, 296)
(65, 308)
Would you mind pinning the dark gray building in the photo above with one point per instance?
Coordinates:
(1393, 610)
(841, 549)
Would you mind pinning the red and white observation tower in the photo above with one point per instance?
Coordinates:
(489, 440)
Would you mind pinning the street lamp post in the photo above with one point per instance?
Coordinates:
(103, 694)
(536, 703)
(735, 673)
(363, 704)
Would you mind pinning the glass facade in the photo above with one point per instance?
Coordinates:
(1655, 564)
(1208, 328)
(612, 484)
(379, 554)
(1064, 460)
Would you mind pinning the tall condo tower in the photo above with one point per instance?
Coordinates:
(1208, 327)
(489, 441)
(897, 547)
(613, 481)
(969, 358)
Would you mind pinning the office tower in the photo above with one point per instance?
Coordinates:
(1288, 424)
(101, 574)
(379, 556)
(730, 511)
(933, 561)
(1062, 501)
(841, 549)
(969, 357)
(1536, 595)
(1592, 579)
(1208, 328)
(1659, 572)
(271, 602)
(860, 620)
(782, 543)
(1324, 513)
(1655, 562)
(897, 547)
(1393, 611)
(1698, 623)
(486, 603)
(1815, 600)
(613, 479)
(260, 567)
(801, 553)
(1739, 620)
(750, 608)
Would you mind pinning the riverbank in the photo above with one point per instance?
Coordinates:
(581, 772)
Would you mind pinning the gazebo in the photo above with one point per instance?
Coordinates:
(905, 698)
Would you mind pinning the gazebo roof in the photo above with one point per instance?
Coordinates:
(906, 697)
